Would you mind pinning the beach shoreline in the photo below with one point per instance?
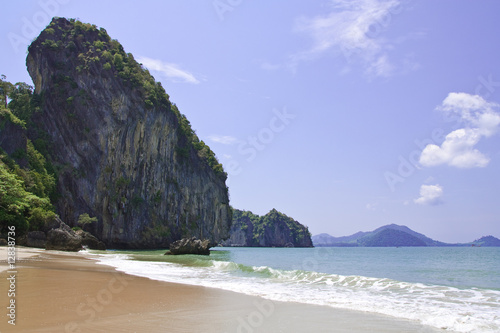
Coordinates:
(66, 292)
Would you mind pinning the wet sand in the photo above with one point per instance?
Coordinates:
(65, 292)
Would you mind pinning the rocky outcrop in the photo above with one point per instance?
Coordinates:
(189, 246)
(57, 235)
(90, 241)
(62, 239)
(124, 153)
(274, 229)
(36, 239)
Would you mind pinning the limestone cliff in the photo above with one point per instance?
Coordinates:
(274, 229)
(123, 151)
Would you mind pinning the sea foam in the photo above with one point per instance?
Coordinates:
(444, 307)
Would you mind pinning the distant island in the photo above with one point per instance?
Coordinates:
(393, 235)
(274, 229)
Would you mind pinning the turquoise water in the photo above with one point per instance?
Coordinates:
(456, 288)
(455, 266)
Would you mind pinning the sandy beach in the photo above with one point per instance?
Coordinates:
(66, 292)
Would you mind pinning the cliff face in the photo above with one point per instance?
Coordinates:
(124, 153)
(271, 230)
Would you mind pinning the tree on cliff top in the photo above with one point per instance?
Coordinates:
(5, 89)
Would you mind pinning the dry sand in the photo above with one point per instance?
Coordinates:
(65, 292)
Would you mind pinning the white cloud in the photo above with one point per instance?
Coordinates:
(472, 110)
(457, 150)
(479, 120)
(353, 27)
(224, 139)
(430, 195)
(168, 70)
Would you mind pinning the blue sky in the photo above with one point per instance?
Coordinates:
(345, 115)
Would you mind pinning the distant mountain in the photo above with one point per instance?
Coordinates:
(323, 239)
(327, 240)
(428, 241)
(398, 235)
(393, 235)
(487, 241)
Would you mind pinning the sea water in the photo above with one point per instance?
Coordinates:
(453, 288)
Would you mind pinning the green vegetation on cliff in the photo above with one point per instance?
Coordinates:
(274, 229)
(95, 49)
(24, 191)
(78, 70)
(118, 150)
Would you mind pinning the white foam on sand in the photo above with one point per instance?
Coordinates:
(461, 310)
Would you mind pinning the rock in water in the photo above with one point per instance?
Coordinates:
(90, 241)
(124, 152)
(190, 246)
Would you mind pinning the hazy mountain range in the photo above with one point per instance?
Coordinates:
(393, 235)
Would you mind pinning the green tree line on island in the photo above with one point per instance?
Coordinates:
(27, 188)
